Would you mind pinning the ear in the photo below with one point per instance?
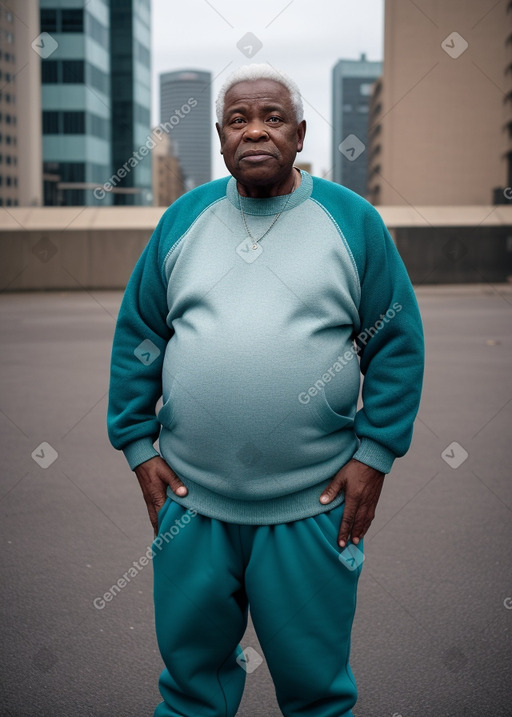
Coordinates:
(301, 133)
(219, 132)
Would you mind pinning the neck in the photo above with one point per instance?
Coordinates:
(287, 186)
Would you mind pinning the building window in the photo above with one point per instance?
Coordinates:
(73, 198)
(97, 31)
(50, 122)
(98, 79)
(73, 71)
(72, 171)
(48, 20)
(8, 159)
(49, 72)
(73, 122)
(142, 115)
(99, 126)
(72, 20)
(366, 89)
(142, 54)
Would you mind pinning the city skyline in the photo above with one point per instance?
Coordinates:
(204, 35)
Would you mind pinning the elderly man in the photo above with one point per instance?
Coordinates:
(257, 304)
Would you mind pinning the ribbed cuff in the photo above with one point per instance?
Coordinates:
(374, 455)
(139, 451)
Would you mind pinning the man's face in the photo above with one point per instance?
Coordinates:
(260, 136)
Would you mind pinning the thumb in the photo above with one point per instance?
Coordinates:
(333, 489)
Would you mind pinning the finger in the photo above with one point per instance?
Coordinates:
(347, 523)
(361, 525)
(153, 517)
(332, 490)
(360, 532)
(177, 486)
(172, 480)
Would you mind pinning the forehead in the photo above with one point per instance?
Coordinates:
(255, 91)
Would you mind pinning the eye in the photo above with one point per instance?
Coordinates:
(237, 120)
(274, 119)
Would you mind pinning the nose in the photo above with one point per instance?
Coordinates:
(255, 130)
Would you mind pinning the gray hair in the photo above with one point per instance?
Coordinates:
(260, 72)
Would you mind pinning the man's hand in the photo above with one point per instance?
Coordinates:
(154, 476)
(362, 486)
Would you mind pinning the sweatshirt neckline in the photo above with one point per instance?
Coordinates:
(271, 205)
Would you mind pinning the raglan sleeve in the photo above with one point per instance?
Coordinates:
(391, 350)
(140, 339)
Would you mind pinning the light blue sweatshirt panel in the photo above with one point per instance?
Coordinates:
(253, 351)
(242, 422)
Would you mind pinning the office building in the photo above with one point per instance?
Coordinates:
(438, 126)
(352, 82)
(75, 72)
(186, 113)
(95, 69)
(168, 183)
(130, 87)
(20, 105)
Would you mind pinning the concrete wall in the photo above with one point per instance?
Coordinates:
(455, 255)
(92, 259)
(88, 248)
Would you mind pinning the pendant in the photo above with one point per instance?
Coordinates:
(255, 246)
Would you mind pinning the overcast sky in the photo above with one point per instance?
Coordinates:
(304, 38)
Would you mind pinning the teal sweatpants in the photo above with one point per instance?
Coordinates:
(302, 598)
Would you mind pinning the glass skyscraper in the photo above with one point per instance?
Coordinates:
(95, 100)
(130, 72)
(352, 82)
(186, 113)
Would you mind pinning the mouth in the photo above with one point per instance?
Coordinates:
(256, 155)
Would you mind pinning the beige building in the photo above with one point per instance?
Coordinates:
(168, 181)
(306, 166)
(438, 117)
(20, 105)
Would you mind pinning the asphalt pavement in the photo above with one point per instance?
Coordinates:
(432, 635)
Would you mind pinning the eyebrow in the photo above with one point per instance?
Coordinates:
(242, 107)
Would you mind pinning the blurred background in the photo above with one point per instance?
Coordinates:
(106, 118)
(111, 104)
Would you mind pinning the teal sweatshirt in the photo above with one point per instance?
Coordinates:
(257, 354)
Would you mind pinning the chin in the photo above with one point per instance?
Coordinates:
(258, 177)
